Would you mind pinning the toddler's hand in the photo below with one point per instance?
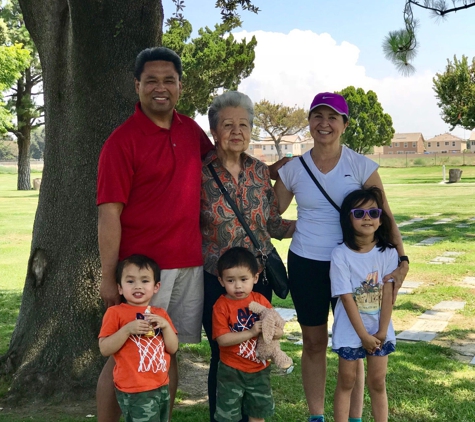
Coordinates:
(256, 328)
(157, 321)
(138, 326)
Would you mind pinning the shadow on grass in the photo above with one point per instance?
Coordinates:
(9, 307)
(424, 383)
(409, 305)
(33, 194)
(449, 231)
(456, 334)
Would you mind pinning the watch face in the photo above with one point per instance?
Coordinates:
(404, 258)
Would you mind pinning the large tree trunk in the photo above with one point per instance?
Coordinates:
(87, 49)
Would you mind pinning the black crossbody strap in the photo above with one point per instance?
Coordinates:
(233, 205)
(319, 186)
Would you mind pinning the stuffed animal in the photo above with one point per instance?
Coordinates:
(267, 347)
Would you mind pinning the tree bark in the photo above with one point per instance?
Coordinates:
(87, 50)
(23, 180)
(23, 132)
(278, 148)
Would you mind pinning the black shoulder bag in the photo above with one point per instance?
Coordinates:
(274, 269)
(319, 186)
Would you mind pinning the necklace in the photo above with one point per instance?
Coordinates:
(327, 164)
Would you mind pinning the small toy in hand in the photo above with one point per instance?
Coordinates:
(147, 312)
(267, 347)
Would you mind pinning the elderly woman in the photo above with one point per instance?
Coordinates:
(339, 170)
(248, 182)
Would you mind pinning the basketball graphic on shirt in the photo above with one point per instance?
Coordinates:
(368, 296)
(152, 353)
(245, 321)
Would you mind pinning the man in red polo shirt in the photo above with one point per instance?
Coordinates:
(148, 194)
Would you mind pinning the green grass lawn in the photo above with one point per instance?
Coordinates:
(425, 381)
(423, 175)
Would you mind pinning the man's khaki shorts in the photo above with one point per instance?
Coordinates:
(181, 294)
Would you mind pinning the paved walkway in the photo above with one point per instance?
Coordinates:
(435, 320)
(428, 326)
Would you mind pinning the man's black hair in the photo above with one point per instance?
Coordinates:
(157, 53)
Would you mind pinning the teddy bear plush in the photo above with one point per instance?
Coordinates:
(267, 347)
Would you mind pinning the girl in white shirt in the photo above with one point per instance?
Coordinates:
(362, 327)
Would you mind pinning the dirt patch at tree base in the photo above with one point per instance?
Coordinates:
(192, 387)
(193, 380)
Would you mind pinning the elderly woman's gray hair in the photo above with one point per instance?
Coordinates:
(229, 99)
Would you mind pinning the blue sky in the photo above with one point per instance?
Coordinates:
(305, 47)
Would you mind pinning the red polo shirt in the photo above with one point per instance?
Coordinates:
(156, 174)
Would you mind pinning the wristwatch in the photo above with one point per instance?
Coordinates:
(404, 258)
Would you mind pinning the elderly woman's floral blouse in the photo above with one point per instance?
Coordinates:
(255, 199)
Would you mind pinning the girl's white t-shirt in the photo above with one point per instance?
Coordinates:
(318, 228)
(361, 275)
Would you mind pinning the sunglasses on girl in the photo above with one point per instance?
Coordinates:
(359, 213)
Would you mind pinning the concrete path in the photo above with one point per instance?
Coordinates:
(430, 241)
(409, 286)
(431, 322)
(434, 321)
(411, 221)
(467, 282)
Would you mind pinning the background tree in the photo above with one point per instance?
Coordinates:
(6, 149)
(369, 125)
(455, 90)
(226, 61)
(13, 57)
(400, 46)
(87, 50)
(13, 60)
(277, 120)
(23, 106)
(37, 147)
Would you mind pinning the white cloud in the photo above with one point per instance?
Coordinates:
(412, 104)
(292, 68)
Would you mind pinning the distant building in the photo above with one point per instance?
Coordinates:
(445, 144)
(403, 143)
(471, 141)
(290, 145)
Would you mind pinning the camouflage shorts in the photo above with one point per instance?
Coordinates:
(148, 406)
(237, 389)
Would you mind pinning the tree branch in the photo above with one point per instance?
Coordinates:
(441, 11)
(37, 79)
(400, 46)
(15, 132)
(38, 125)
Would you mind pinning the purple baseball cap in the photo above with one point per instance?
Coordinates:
(332, 100)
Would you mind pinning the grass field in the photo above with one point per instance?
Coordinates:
(426, 382)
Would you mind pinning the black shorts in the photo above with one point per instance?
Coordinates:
(310, 289)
